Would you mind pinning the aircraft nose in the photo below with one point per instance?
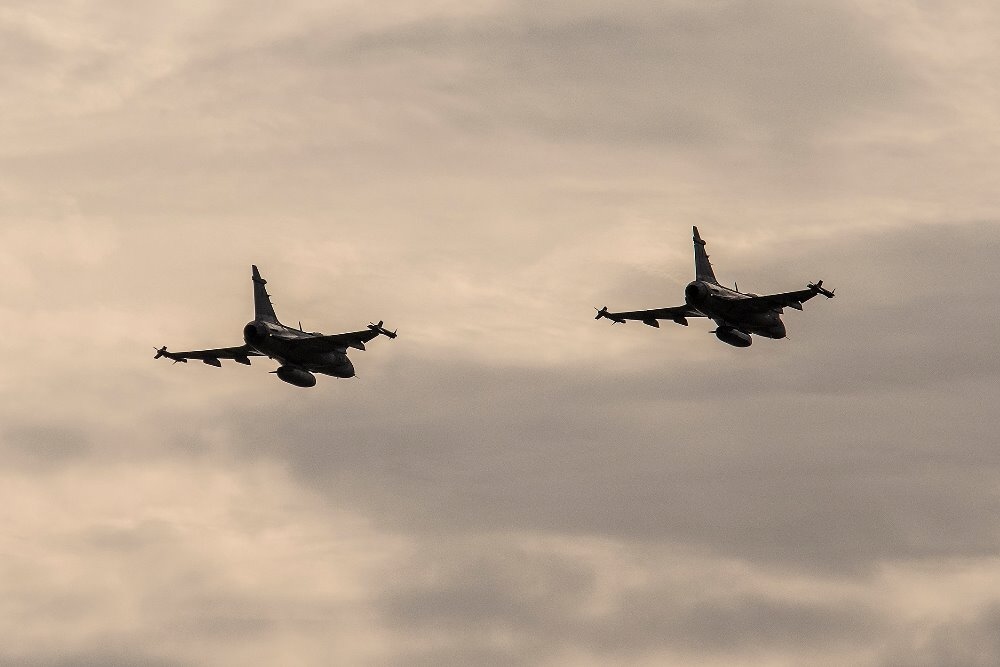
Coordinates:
(778, 330)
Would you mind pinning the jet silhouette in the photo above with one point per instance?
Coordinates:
(299, 352)
(737, 315)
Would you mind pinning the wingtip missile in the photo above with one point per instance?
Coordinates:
(603, 312)
(819, 289)
(162, 352)
(378, 328)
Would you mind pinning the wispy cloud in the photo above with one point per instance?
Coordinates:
(508, 481)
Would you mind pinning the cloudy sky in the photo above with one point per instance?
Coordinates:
(508, 482)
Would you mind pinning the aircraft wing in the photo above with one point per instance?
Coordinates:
(239, 354)
(785, 299)
(678, 314)
(340, 342)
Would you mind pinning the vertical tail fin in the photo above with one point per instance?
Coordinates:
(702, 267)
(263, 310)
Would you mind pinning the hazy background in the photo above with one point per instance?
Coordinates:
(508, 482)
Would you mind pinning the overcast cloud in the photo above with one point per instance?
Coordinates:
(508, 482)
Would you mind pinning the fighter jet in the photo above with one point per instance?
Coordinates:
(737, 315)
(299, 352)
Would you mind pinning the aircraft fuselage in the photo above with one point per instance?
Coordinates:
(271, 339)
(722, 305)
(300, 353)
(737, 315)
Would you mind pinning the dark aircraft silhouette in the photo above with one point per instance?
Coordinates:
(737, 315)
(300, 353)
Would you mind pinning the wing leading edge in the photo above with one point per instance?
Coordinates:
(240, 355)
(783, 300)
(340, 342)
(678, 314)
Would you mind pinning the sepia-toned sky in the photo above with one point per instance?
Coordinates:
(508, 482)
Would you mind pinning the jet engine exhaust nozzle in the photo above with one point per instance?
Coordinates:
(695, 293)
(255, 332)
